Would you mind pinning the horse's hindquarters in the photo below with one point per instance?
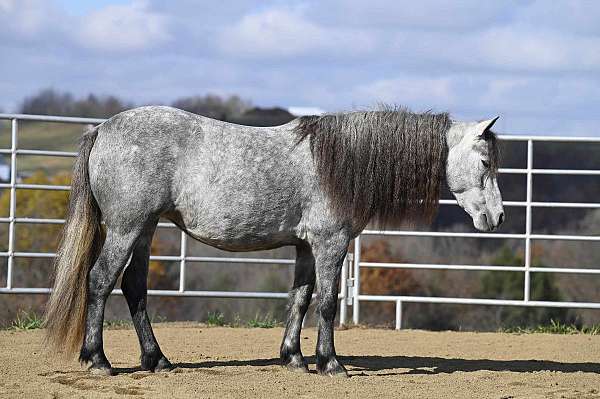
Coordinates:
(131, 176)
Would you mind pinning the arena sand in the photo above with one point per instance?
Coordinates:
(221, 362)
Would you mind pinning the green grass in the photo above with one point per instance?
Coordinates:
(26, 321)
(555, 327)
(215, 319)
(262, 322)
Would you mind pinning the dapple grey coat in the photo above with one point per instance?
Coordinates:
(243, 188)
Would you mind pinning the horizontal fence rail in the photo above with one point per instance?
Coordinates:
(350, 294)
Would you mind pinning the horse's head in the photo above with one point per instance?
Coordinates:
(471, 172)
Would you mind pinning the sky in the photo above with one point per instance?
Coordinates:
(536, 64)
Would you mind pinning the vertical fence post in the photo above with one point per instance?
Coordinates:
(398, 314)
(356, 288)
(344, 290)
(182, 256)
(13, 203)
(526, 292)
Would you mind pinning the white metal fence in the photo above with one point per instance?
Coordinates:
(350, 282)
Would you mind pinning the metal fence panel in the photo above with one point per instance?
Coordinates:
(350, 282)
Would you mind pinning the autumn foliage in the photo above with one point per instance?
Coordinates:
(384, 281)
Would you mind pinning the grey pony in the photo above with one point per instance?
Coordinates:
(234, 187)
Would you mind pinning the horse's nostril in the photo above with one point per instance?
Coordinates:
(501, 218)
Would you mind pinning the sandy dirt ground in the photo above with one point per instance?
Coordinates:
(216, 362)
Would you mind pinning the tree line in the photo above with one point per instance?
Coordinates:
(231, 109)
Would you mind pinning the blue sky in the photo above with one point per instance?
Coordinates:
(534, 63)
(83, 7)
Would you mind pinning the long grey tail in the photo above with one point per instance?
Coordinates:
(81, 242)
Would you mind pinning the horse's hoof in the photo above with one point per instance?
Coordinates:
(164, 365)
(155, 362)
(333, 368)
(98, 364)
(102, 371)
(295, 363)
(296, 367)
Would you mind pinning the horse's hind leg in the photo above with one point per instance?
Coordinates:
(299, 300)
(135, 288)
(101, 280)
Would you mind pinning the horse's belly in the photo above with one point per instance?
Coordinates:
(244, 243)
(241, 238)
(237, 228)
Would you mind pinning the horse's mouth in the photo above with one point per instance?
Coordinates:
(482, 222)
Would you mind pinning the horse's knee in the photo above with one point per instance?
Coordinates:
(327, 306)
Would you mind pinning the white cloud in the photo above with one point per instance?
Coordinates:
(25, 18)
(540, 95)
(413, 91)
(284, 33)
(7, 5)
(129, 27)
(497, 50)
(537, 50)
(423, 15)
(561, 15)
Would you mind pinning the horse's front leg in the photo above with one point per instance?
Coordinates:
(299, 300)
(329, 257)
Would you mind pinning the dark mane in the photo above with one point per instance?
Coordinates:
(382, 166)
(493, 152)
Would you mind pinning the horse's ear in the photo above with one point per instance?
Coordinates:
(483, 126)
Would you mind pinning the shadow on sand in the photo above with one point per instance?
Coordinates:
(414, 364)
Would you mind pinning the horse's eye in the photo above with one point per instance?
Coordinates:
(485, 163)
